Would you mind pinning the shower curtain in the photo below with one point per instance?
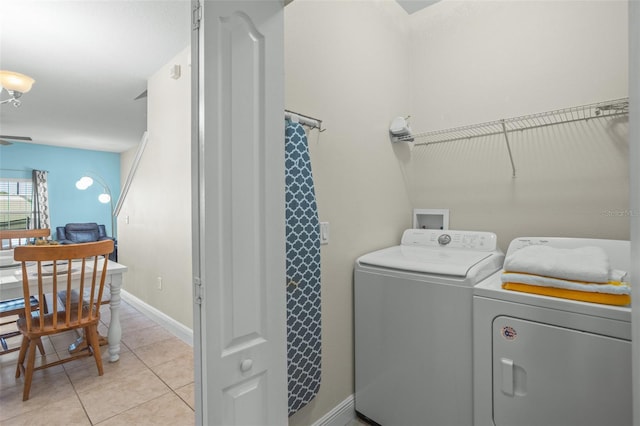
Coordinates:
(303, 272)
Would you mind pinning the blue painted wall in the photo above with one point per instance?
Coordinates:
(66, 166)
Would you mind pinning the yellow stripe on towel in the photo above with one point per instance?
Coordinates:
(583, 296)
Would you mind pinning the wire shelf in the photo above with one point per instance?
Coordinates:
(525, 122)
(505, 126)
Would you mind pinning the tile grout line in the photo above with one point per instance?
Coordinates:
(160, 378)
(73, 385)
(148, 367)
(171, 390)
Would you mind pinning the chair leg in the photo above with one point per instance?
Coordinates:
(91, 334)
(23, 353)
(40, 346)
(28, 375)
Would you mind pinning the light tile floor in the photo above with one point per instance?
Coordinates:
(151, 384)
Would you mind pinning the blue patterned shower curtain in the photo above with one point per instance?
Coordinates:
(303, 272)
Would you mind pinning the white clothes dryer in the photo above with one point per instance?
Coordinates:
(541, 360)
(413, 331)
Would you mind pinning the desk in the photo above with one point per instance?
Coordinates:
(11, 287)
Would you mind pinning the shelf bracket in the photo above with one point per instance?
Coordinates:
(506, 138)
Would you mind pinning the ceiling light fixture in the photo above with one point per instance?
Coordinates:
(15, 84)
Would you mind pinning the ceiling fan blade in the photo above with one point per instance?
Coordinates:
(141, 95)
(3, 142)
(16, 138)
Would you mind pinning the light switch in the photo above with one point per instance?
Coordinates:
(324, 232)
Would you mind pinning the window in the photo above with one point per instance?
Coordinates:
(16, 210)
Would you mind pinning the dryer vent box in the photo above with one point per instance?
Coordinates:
(431, 218)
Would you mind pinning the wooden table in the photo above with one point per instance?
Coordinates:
(11, 287)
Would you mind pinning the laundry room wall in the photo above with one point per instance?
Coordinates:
(342, 63)
(479, 61)
(358, 64)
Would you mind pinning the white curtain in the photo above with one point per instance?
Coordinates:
(40, 200)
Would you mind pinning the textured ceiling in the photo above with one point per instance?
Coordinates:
(90, 59)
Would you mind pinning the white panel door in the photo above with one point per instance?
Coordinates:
(239, 245)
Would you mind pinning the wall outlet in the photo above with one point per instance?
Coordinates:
(159, 283)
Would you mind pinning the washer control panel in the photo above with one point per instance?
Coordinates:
(470, 240)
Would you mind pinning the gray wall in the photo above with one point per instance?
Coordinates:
(343, 64)
(474, 62)
(156, 240)
(358, 64)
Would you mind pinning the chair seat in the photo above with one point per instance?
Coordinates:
(48, 325)
(9, 308)
(15, 306)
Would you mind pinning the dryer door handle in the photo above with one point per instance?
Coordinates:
(507, 376)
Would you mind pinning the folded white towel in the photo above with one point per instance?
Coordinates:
(589, 264)
(610, 288)
(617, 275)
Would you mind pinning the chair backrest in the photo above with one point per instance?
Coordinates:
(73, 268)
(9, 238)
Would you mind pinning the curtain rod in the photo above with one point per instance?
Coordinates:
(314, 123)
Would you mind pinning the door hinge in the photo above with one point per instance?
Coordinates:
(198, 290)
(196, 16)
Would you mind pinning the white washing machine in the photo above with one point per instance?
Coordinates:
(413, 332)
(542, 360)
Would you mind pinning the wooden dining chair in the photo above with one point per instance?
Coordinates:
(9, 238)
(12, 307)
(75, 267)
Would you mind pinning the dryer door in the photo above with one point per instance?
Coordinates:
(548, 375)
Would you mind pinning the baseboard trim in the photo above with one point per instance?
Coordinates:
(340, 415)
(174, 327)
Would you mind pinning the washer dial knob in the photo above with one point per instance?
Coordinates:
(444, 239)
